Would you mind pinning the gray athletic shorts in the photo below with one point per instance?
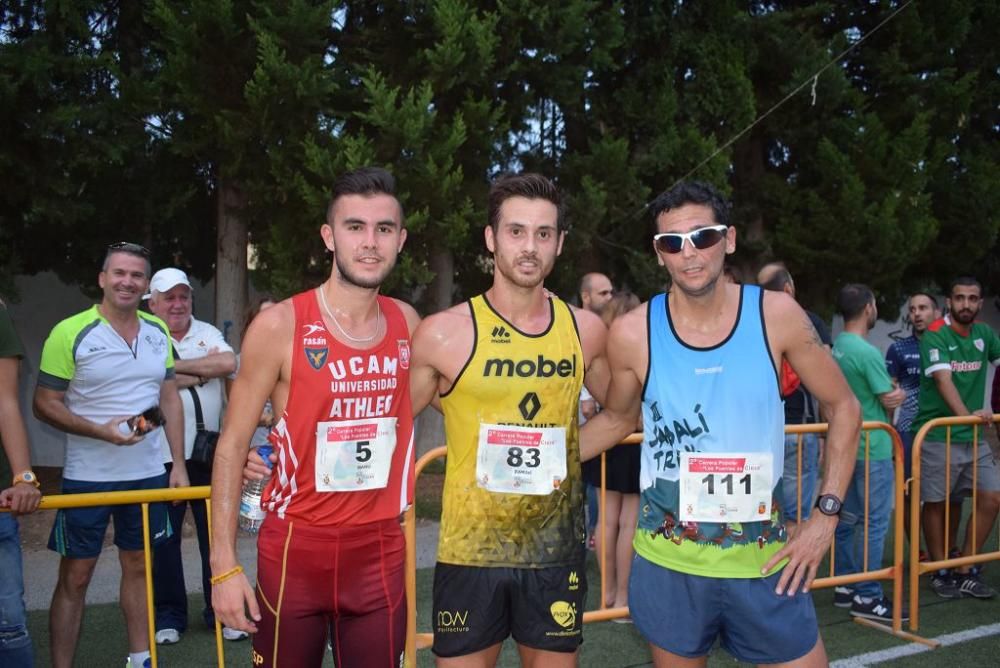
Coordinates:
(932, 474)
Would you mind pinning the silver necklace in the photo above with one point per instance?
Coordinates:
(326, 307)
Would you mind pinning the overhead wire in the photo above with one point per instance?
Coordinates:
(811, 79)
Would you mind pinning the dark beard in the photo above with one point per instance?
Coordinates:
(346, 276)
(961, 319)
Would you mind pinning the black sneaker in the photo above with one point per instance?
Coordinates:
(944, 585)
(843, 596)
(879, 609)
(969, 584)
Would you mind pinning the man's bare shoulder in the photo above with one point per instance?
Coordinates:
(787, 323)
(443, 325)
(587, 321)
(409, 313)
(272, 325)
(630, 328)
(779, 305)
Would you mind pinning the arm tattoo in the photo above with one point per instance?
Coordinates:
(812, 334)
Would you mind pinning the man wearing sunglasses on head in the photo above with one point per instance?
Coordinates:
(704, 359)
(101, 369)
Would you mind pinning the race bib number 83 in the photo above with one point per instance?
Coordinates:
(521, 460)
(734, 487)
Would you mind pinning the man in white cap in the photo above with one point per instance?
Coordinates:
(202, 359)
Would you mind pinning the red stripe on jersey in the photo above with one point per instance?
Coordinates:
(333, 382)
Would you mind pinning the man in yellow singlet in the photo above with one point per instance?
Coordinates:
(509, 365)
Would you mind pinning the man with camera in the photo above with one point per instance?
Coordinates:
(202, 361)
(106, 379)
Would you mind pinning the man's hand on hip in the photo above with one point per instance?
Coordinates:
(804, 551)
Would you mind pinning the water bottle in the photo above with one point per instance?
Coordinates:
(251, 514)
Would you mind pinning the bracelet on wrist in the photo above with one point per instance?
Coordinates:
(235, 570)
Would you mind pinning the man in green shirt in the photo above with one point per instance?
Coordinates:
(865, 372)
(953, 358)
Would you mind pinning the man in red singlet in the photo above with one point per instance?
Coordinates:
(335, 362)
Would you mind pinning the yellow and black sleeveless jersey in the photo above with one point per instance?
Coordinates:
(522, 380)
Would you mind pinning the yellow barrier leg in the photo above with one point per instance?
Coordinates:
(912, 637)
(220, 653)
(147, 556)
(410, 530)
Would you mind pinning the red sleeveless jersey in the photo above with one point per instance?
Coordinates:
(332, 382)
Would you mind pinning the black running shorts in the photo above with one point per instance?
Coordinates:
(478, 607)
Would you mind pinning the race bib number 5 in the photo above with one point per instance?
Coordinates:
(354, 455)
(521, 460)
(734, 487)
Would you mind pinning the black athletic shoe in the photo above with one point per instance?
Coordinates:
(944, 585)
(843, 596)
(969, 584)
(879, 609)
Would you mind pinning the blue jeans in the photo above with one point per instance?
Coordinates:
(849, 552)
(15, 643)
(169, 592)
(790, 475)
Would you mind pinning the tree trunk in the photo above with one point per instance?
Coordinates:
(442, 263)
(231, 260)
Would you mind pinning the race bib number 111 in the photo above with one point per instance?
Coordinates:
(734, 487)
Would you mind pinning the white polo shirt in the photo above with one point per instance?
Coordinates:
(104, 377)
(201, 338)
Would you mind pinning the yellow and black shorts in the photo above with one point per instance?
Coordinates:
(477, 607)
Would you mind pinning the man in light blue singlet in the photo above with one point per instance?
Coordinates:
(704, 361)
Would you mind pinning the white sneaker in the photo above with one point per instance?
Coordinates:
(234, 634)
(167, 636)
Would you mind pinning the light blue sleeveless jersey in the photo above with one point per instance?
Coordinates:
(712, 400)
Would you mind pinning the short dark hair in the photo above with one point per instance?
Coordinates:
(778, 280)
(363, 181)
(127, 248)
(921, 293)
(529, 185)
(853, 299)
(693, 192)
(964, 280)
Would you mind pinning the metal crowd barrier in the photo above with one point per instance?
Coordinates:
(415, 641)
(893, 572)
(917, 567)
(143, 497)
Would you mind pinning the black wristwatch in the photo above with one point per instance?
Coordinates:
(828, 504)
